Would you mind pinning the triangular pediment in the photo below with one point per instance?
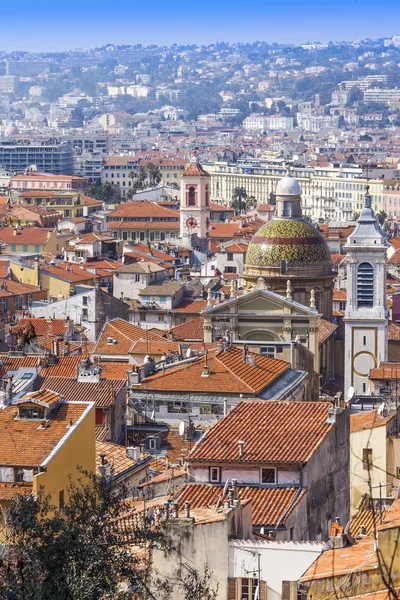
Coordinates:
(257, 301)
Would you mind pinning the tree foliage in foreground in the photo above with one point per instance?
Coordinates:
(81, 552)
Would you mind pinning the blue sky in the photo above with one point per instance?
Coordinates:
(59, 25)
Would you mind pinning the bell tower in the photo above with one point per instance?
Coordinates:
(366, 315)
(195, 204)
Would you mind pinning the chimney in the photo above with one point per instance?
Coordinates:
(55, 347)
(241, 445)
(231, 497)
(166, 510)
(134, 377)
(187, 509)
(103, 459)
(244, 354)
(363, 530)
(251, 360)
(175, 507)
(133, 452)
(234, 488)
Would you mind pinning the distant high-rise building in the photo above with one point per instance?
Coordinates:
(48, 156)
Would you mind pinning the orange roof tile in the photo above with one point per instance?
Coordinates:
(272, 431)
(25, 443)
(192, 307)
(229, 374)
(365, 518)
(340, 561)
(42, 326)
(115, 455)
(194, 169)
(191, 330)
(125, 334)
(339, 294)
(102, 393)
(140, 209)
(269, 505)
(367, 420)
(325, 330)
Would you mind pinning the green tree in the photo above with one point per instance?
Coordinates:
(81, 551)
(154, 174)
(239, 197)
(355, 216)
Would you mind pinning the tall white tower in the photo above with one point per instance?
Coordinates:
(366, 315)
(195, 203)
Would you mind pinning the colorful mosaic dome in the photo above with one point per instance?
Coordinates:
(294, 240)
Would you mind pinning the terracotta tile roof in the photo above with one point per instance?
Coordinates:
(148, 250)
(25, 235)
(46, 342)
(142, 266)
(42, 326)
(115, 455)
(392, 517)
(193, 307)
(272, 431)
(339, 294)
(238, 248)
(191, 330)
(146, 209)
(102, 393)
(142, 347)
(325, 330)
(386, 370)
(194, 169)
(102, 433)
(69, 272)
(25, 443)
(177, 446)
(9, 490)
(340, 561)
(16, 288)
(367, 420)
(166, 475)
(172, 226)
(365, 518)
(229, 374)
(168, 288)
(269, 505)
(125, 334)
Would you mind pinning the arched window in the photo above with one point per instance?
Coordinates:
(365, 284)
(192, 196)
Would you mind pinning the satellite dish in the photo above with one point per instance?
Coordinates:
(380, 409)
(350, 393)
(182, 428)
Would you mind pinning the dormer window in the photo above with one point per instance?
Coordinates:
(31, 413)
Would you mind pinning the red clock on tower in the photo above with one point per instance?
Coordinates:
(191, 223)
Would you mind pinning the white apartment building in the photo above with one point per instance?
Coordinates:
(363, 83)
(327, 193)
(384, 96)
(264, 123)
(340, 98)
(315, 123)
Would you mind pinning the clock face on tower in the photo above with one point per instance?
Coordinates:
(191, 223)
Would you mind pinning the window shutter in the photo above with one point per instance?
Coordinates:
(263, 590)
(286, 590)
(232, 589)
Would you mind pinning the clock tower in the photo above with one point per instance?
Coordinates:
(195, 204)
(366, 315)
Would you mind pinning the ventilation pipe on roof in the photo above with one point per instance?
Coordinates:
(244, 353)
(175, 507)
(187, 509)
(241, 446)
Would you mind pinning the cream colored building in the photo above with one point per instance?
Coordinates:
(329, 194)
(374, 457)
